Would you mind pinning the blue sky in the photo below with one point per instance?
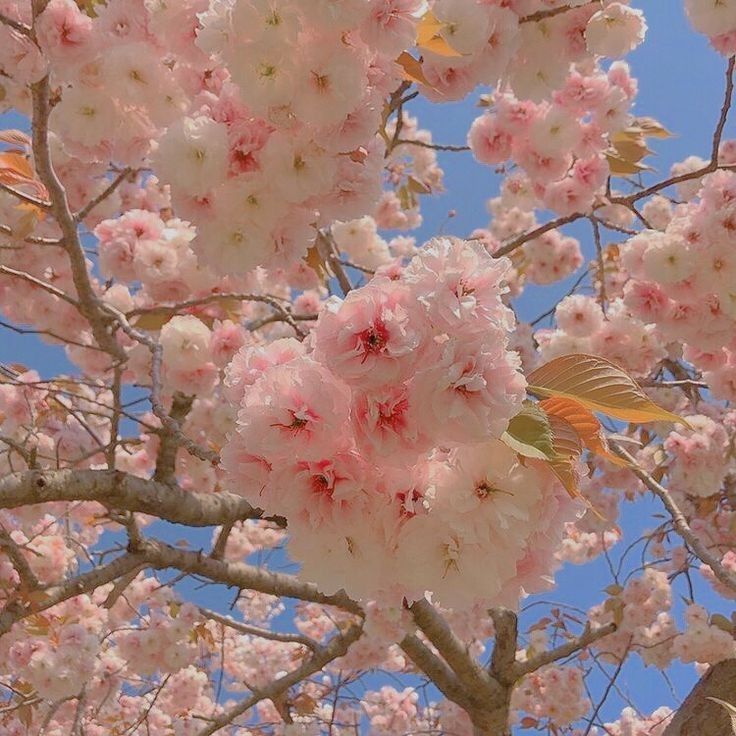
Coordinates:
(681, 84)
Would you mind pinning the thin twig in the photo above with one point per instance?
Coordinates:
(545, 14)
(603, 299)
(27, 198)
(103, 195)
(8, 271)
(249, 630)
(337, 647)
(588, 637)
(678, 519)
(433, 146)
(532, 234)
(15, 25)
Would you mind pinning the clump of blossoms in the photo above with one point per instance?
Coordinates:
(682, 279)
(392, 411)
(558, 144)
(582, 327)
(555, 694)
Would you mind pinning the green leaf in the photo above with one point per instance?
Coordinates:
(529, 433)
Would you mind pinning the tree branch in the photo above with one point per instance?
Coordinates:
(23, 197)
(436, 670)
(125, 492)
(16, 25)
(588, 637)
(337, 647)
(168, 442)
(103, 195)
(84, 583)
(503, 658)
(541, 230)
(249, 630)
(436, 629)
(20, 563)
(678, 519)
(237, 574)
(432, 146)
(89, 303)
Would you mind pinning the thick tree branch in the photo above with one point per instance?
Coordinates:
(84, 583)
(454, 652)
(436, 670)
(124, 492)
(168, 443)
(483, 697)
(237, 574)
(11, 548)
(699, 716)
(503, 658)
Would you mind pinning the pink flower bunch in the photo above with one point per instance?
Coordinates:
(559, 144)
(644, 624)
(390, 412)
(620, 337)
(700, 455)
(632, 723)
(702, 641)
(682, 278)
(552, 694)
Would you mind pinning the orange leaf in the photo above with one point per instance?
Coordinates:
(15, 168)
(584, 423)
(318, 264)
(567, 448)
(430, 38)
(412, 68)
(599, 385)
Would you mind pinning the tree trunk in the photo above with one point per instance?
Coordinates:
(699, 716)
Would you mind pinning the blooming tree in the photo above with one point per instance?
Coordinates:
(347, 439)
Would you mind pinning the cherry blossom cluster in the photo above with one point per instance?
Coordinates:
(700, 457)
(495, 42)
(632, 723)
(702, 641)
(391, 411)
(682, 279)
(555, 694)
(715, 20)
(559, 144)
(582, 327)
